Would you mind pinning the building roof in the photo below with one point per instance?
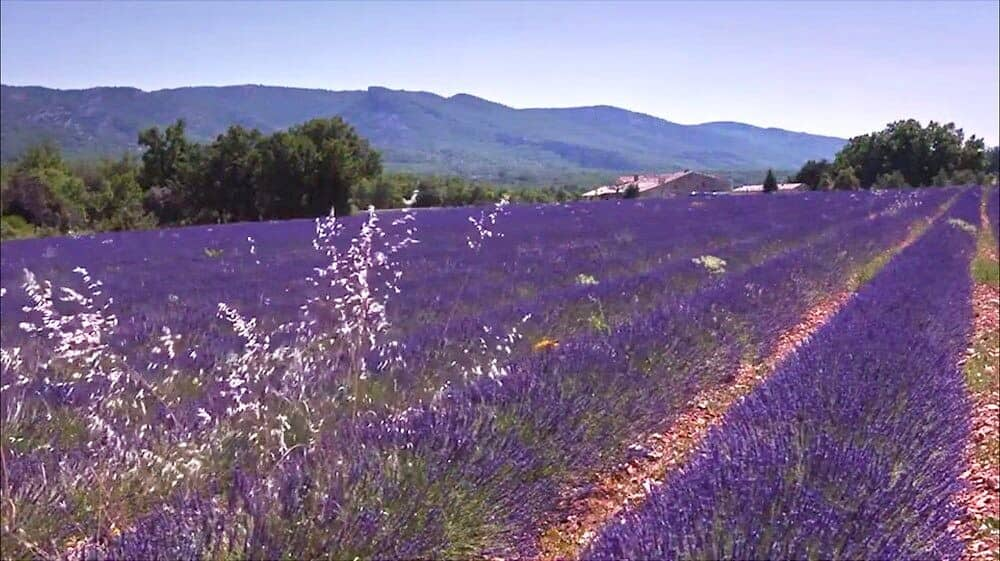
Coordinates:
(645, 182)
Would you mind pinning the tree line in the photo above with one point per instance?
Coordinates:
(242, 175)
(245, 175)
(905, 154)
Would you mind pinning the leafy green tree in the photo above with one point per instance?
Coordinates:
(846, 180)
(43, 191)
(14, 226)
(286, 160)
(170, 164)
(230, 175)
(812, 172)
(770, 183)
(428, 195)
(941, 179)
(965, 177)
(338, 159)
(919, 153)
(167, 156)
(892, 180)
(115, 198)
(993, 160)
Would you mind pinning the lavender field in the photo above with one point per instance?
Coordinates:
(433, 383)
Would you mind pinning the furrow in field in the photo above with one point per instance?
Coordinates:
(471, 474)
(979, 524)
(654, 457)
(850, 449)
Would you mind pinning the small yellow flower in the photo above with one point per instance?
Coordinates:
(545, 344)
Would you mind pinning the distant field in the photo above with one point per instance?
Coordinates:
(438, 383)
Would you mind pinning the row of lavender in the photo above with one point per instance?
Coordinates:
(560, 313)
(852, 450)
(68, 423)
(474, 472)
(163, 279)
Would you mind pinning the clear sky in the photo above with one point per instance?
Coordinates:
(835, 68)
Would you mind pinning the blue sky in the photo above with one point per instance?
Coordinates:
(833, 68)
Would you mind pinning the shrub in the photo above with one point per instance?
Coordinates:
(13, 227)
(770, 183)
(846, 180)
(892, 180)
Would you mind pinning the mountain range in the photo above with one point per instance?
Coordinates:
(416, 131)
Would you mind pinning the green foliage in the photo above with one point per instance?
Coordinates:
(904, 154)
(42, 190)
(893, 180)
(770, 183)
(846, 179)
(966, 177)
(427, 196)
(244, 175)
(993, 160)
(986, 271)
(812, 173)
(918, 153)
(14, 226)
(390, 190)
(115, 198)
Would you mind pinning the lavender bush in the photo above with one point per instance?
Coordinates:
(147, 427)
(852, 450)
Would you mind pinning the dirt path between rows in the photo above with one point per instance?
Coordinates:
(669, 449)
(979, 525)
(655, 456)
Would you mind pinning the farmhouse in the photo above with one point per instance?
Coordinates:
(661, 185)
(781, 187)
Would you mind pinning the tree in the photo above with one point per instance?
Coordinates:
(846, 179)
(941, 179)
(338, 159)
(770, 183)
(284, 178)
(811, 173)
(993, 160)
(231, 175)
(892, 180)
(115, 198)
(170, 163)
(44, 192)
(964, 177)
(919, 153)
(427, 195)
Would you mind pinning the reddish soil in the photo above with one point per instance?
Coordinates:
(981, 499)
(669, 449)
(585, 511)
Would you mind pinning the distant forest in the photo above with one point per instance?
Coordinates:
(304, 171)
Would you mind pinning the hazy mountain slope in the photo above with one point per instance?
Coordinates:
(415, 130)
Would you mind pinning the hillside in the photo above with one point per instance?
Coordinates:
(416, 131)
